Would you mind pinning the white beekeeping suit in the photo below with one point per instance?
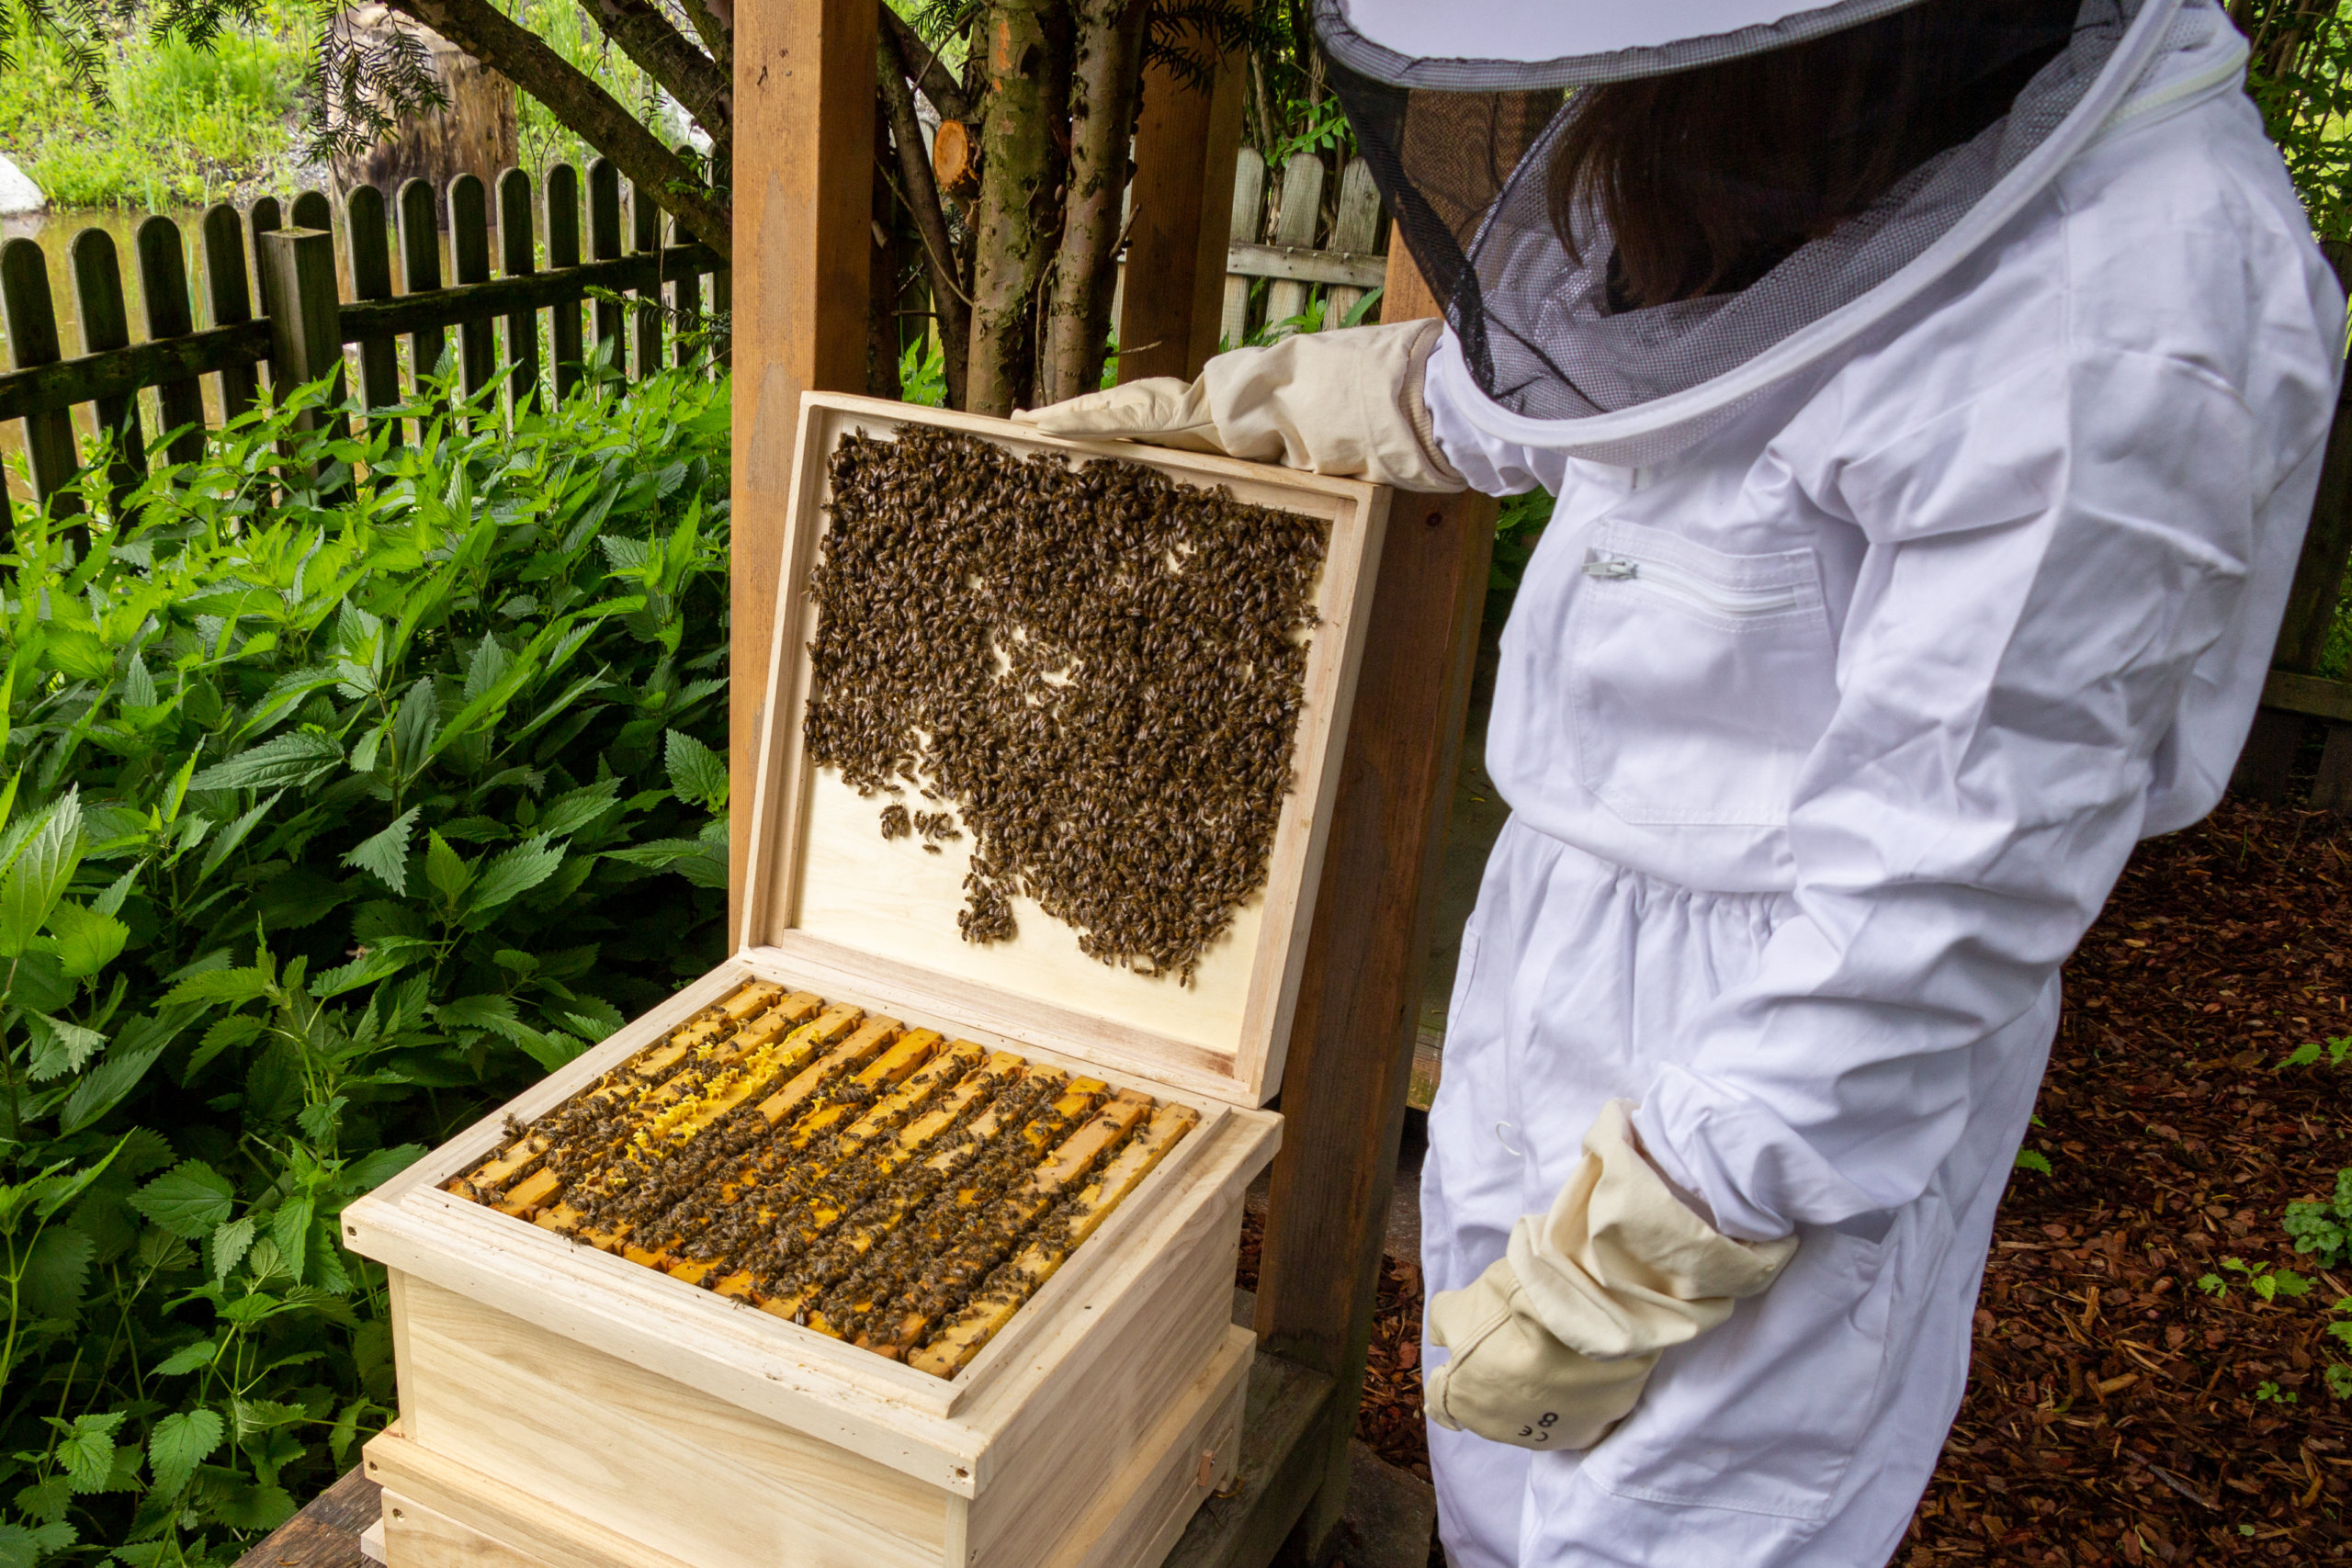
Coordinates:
(1892, 593)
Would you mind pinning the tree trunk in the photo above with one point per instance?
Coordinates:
(1014, 227)
(1107, 62)
(948, 308)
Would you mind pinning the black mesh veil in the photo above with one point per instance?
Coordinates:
(1544, 327)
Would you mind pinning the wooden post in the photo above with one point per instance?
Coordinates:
(804, 96)
(421, 274)
(645, 238)
(604, 244)
(364, 222)
(469, 263)
(563, 250)
(1352, 1042)
(312, 210)
(306, 326)
(1185, 142)
(517, 257)
(1354, 225)
(163, 283)
(231, 299)
(106, 324)
(1303, 175)
(31, 318)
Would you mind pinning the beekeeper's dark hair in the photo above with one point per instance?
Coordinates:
(1709, 179)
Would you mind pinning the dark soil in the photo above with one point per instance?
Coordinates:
(2117, 1412)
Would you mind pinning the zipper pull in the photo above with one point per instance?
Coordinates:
(1616, 568)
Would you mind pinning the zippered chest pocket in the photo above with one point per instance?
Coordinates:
(1699, 681)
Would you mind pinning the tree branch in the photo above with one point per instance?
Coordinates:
(920, 193)
(717, 35)
(663, 53)
(923, 67)
(481, 30)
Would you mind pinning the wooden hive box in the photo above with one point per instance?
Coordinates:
(561, 1406)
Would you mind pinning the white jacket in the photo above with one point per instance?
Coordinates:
(1928, 638)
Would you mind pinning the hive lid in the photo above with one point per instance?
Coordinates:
(829, 897)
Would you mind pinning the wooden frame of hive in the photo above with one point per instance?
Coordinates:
(560, 1406)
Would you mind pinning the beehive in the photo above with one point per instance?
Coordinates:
(876, 1245)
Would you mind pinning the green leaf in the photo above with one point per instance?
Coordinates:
(86, 941)
(227, 1245)
(383, 1165)
(513, 872)
(382, 959)
(22, 1546)
(56, 1273)
(86, 1448)
(2303, 1055)
(290, 1229)
(496, 1013)
(38, 876)
(450, 873)
(231, 986)
(489, 662)
(696, 773)
(59, 1047)
(550, 1050)
(226, 843)
(286, 762)
(179, 1443)
(414, 725)
(188, 1201)
(258, 1507)
(2029, 1159)
(186, 1359)
(385, 854)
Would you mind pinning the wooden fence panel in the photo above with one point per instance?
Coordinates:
(517, 258)
(1355, 226)
(421, 272)
(1249, 190)
(162, 285)
(303, 335)
(563, 250)
(106, 325)
(470, 259)
(645, 224)
(604, 244)
(369, 236)
(31, 318)
(231, 299)
(1302, 202)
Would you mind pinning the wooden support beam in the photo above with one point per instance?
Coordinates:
(1185, 142)
(804, 95)
(1351, 1042)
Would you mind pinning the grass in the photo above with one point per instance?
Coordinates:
(184, 126)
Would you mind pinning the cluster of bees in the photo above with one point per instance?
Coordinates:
(880, 1184)
(1099, 669)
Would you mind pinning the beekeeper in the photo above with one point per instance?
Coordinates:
(1934, 394)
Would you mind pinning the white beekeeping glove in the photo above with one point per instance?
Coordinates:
(1552, 1344)
(1345, 402)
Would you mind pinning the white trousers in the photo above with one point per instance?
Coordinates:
(1804, 1429)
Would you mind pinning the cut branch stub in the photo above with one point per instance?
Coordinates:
(955, 159)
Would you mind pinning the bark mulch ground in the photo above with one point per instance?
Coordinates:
(2117, 1411)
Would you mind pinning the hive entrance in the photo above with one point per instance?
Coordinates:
(1094, 673)
(880, 1184)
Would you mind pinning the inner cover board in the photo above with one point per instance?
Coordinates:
(825, 882)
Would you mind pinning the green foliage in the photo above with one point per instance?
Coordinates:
(2312, 1051)
(2300, 75)
(329, 812)
(2324, 1229)
(207, 119)
(2034, 1160)
(2267, 1284)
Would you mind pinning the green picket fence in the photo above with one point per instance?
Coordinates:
(284, 317)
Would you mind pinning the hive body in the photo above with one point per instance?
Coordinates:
(605, 1357)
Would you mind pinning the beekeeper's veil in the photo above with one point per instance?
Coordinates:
(1947, 115)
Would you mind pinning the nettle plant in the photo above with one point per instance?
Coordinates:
(331, 812)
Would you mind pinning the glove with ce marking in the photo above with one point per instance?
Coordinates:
(1552, 1344)
(1346, 403)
